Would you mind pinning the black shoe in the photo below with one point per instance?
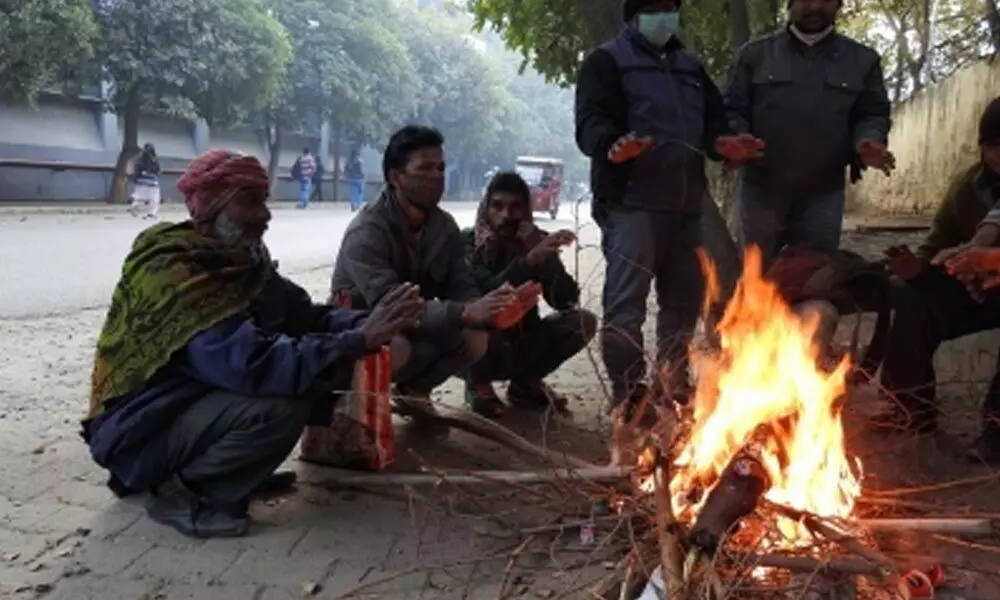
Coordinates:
(536, 394)
(279, 481)
(173, 505)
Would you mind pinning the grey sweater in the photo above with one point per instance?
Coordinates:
(379, 252)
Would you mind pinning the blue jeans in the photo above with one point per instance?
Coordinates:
(772, 220)
(356, 192)
(640, 248)
(305, 187)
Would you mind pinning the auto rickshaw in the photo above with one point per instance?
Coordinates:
(545, 178)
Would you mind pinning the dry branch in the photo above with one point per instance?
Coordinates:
(974, 527)
(345, 478)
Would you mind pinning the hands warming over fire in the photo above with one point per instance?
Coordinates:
(979, 267)
(904, 263)
(549, 246)
(628, 147)
(737, 150)
(503, 307)
(876, 156)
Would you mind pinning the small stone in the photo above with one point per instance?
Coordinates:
(311, 588)
(543, 593)
(83, 531)
(43, 588)
(37, 567)
(64, 552)
(11, 556)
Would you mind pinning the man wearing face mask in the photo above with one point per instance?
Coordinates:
(405, 238)
(210, 363)
(647, 114)
(818, 100)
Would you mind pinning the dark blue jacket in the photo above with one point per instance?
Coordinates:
(627, 85)
(287, 349)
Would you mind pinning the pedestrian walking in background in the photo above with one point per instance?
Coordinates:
(355, 180)
(303, 171)
(317, 182)
(146, 183)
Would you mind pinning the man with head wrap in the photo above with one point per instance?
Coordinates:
(818, 101)
(949, 291)
(210, 363)
(506, 247)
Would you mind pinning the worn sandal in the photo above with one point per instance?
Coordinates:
(483, 401)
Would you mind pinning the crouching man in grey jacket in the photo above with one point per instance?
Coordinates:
(405, 237)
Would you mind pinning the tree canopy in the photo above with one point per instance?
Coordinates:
(38, 39)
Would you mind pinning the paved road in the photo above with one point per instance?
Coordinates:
(58, 263)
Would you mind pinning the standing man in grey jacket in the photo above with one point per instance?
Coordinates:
(818, 100)
(404, 237)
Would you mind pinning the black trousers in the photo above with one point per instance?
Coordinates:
(933, 309)
(536, 350)
(226, 445)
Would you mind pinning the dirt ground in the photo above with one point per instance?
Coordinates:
(45, 363)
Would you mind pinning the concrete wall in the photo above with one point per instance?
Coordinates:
(933, 135)
(73, 146)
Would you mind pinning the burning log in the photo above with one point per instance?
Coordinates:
(736, 495)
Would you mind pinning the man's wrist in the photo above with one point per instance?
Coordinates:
(986, 235)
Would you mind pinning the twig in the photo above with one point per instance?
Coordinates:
(931, 525)
(804, 564)
(670, 551)
(344, 478)
(510, 565)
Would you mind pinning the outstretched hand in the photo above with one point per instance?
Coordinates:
(737, 150)
(976, 266)
(525, 298)
(628, 147)
(398, 311)
(876, 156)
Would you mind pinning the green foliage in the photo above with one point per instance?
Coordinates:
(219, 59)
(343, 58)
(38, 39)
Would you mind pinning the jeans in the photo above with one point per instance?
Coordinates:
(226, 444)
(772, 220)
(932, 309)
(640, 248)
(531, 353)
(356, 192)
(305, 187)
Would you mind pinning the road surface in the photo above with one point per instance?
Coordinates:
(59, 263)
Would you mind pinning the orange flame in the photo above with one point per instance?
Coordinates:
(765, 387)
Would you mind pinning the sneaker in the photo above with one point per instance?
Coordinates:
(536, 394)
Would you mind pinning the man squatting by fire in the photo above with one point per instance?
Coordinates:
(210, 363)
(505, 247)
(647, 114)
(405, 238)
(948, 290)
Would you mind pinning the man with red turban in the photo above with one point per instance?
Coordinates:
(210, 363)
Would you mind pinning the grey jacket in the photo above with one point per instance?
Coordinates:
(811, 106)
(379, 252)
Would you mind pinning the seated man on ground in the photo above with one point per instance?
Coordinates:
(506, 247)
(210, 363)
(405, 237)
(934, 306)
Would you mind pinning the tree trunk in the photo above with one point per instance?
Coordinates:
(993, 21)
(739, 23)
(118, 194)
(275, 133)
(338, 134)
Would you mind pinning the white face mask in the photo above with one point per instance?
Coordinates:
(658, 27)
(810, 39)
